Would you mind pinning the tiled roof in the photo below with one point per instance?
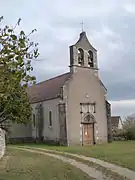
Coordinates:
(115, 121)
(48, 89)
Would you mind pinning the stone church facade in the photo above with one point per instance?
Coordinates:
(71, 108)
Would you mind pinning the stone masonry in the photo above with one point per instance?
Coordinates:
(2, 143)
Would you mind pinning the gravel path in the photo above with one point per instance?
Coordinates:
(92, 172)
(114, 168)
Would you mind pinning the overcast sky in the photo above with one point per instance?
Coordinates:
(110, 27)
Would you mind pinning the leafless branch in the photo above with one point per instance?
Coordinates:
(3, 120)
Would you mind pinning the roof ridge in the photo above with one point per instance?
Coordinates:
(52, 78)
(48, 89)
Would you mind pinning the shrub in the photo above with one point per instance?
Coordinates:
(119, 134)
(130, 133)
(127, 132)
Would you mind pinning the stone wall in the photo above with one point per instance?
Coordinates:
(2, 143)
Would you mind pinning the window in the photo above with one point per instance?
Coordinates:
(90, 58)
(84, 108)
(88, 108)
(80, 56)
(92, 108)
(50, 118)
(34, 120)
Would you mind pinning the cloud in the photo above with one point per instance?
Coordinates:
(123, 107)
(110, 28)
(130, 7)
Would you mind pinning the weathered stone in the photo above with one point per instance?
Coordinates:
(2, 143)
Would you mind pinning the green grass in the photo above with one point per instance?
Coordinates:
(108, 174)
(22, 165)
(121, 153)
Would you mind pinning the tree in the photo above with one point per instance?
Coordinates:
(129, 122)
(16, 54)
(128, 130)
(129, 127)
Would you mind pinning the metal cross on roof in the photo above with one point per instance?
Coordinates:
(82, 24)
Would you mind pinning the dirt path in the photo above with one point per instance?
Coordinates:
(92, 172)
(114, 168)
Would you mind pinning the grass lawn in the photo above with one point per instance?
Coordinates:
(23, 165)
(121, 153)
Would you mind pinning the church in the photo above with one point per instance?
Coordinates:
(70, 109)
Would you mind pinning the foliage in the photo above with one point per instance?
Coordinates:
(16, 54)
(129, 126)
(119, 134)
(128, 131)
(129, 122)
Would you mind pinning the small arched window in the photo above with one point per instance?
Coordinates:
(50, 118)
(90, 58)
(80, 56)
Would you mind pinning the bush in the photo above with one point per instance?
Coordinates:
(127, 132)
(130, 133)
(119, 134)
(129, 128)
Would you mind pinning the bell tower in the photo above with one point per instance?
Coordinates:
(83, 54)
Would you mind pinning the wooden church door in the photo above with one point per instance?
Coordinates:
(87, 134)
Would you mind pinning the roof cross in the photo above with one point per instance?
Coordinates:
(82, 24)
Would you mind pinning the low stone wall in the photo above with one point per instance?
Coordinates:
(2, 143)
(21, 140)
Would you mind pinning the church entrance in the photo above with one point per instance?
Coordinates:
(88, 133)
(87, 123)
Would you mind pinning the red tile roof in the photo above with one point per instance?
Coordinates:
(48, 89)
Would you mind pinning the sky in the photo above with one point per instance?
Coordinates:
(110, 27)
